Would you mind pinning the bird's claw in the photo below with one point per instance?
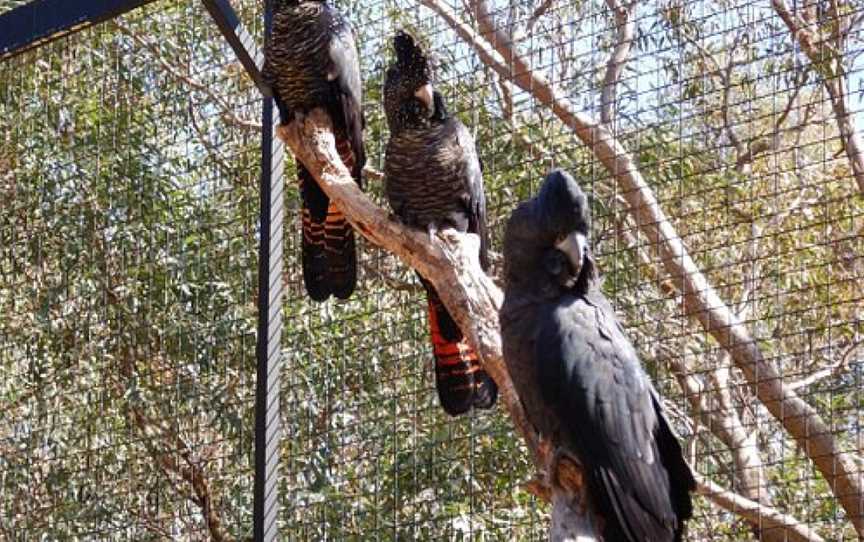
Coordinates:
(553, 466)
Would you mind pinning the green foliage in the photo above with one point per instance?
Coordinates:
(128, 207)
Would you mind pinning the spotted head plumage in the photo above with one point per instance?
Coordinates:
(409, 97)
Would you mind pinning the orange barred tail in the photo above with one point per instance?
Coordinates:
(341, 253)
(339, 238)
(461, 380)
(329, 252)
(314, 257)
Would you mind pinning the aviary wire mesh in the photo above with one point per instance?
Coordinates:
(127, 282)
(129, 169)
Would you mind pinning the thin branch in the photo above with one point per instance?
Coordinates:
(623, 13)
(537, 13)
(197, 489)
(765, 518)
(188, 470)
(699, 299)
(371, 173)
(227, 110)
(827, 59)
(831, 370)
(208, 145)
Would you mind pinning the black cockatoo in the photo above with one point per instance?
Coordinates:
(579, 377)
(433, 181)
(311, 61)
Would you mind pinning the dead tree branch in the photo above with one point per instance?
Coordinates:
(825, 51)
(449, 260)
(699, 299)
(623, 13)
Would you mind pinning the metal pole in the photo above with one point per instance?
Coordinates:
(267, 430)
(39, 22)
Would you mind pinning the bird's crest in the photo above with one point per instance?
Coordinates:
(408, 52)
(563, 204)
(405, 47)
(562, 212)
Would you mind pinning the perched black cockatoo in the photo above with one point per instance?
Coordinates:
(578, 376)
(311, 61)
(433, 181)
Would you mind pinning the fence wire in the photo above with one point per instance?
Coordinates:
(129, 172)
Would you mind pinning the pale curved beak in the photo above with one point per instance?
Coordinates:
(425, 95)
(574, 246)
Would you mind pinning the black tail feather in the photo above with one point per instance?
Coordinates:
(314, 252)
(329, 248)
(460, 379)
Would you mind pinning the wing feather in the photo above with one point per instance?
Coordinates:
(476, 204)
(590, 375)
(344, 73)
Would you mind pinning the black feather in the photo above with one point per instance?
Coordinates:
(311, 62)
(433, 179)
(406, 50)
(580, 379)
(562, 204)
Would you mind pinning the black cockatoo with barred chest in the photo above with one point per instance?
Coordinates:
(579, 377)
(433, 181)
(311, 61)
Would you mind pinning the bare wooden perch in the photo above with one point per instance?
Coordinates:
(449, 260)
(699, 298)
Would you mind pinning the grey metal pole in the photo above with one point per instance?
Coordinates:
(267, 430)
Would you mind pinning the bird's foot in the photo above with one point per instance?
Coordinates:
(563, 470)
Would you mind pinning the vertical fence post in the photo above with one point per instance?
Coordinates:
(267, 430)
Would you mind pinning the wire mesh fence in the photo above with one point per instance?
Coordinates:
(129, 166)
(128, 283)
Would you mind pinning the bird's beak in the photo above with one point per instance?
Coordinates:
(574, 246)
(425, 95)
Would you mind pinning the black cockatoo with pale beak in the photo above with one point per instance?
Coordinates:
(311, 61)
(579, 377)
(433, 181)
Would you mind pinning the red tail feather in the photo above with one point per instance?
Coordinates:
(459, 377)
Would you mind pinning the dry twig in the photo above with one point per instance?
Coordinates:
(825, 51)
